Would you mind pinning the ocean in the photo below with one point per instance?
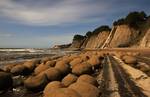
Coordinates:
(12, 55)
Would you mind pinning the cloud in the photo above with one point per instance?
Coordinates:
(58, 13)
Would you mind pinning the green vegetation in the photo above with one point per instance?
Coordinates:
(98, 30)
(78, 37)
(101, 28)
(119, 22)
(88, 34)
(133, 19)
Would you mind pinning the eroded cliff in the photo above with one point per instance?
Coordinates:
(124, 36)
(131, 31)
(96, 41)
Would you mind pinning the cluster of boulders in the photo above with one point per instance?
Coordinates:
(67, 76)
(133, 61)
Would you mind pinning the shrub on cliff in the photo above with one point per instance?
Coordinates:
(88, 34)
(119, 22)
(101, 28)
(78, 37)
(133, 19)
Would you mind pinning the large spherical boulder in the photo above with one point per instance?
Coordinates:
(69, 79)
(67, 59)
(82, 68)
(44, 60)
(84, 57)
(88, 79)
(63, 67)
(51, 63)
(51, 86)
(129, 59)
(36, 83)
(85, 89)
(143, 67)
(118, 54)
(63, 92)
(95, 61)
(53, 74)
(19, 70)
(31, 64)
(76, 61)
(8, 67)
(5, 81)
(73, 56)
(41, 68)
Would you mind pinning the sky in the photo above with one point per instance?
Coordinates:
(44, 23)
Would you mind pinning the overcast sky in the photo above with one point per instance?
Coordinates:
(42, 23)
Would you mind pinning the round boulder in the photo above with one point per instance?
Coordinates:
(88, 79)
(143, 67)
(84, 57)
(129, 59)
(94, 61)
(66, 59)
(63, 67)
(69, 79)
(19, 70)
(53, 74)
(82, 68)
(51, 63)
(31, 64)
(44, 60)
(41, 68)
(8, 67)
(85, 89)
(36, 83)
(63, 92)
(51, 86)
(76, 61)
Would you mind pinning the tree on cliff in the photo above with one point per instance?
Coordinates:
(119, 22)
(78, 37)
(101, 28)
(88, 34)
(133, 19)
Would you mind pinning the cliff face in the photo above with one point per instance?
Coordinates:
(146, 40)
(120, 36)
(77, 43)
(96, 41)
(124, 36)
(131, 31)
